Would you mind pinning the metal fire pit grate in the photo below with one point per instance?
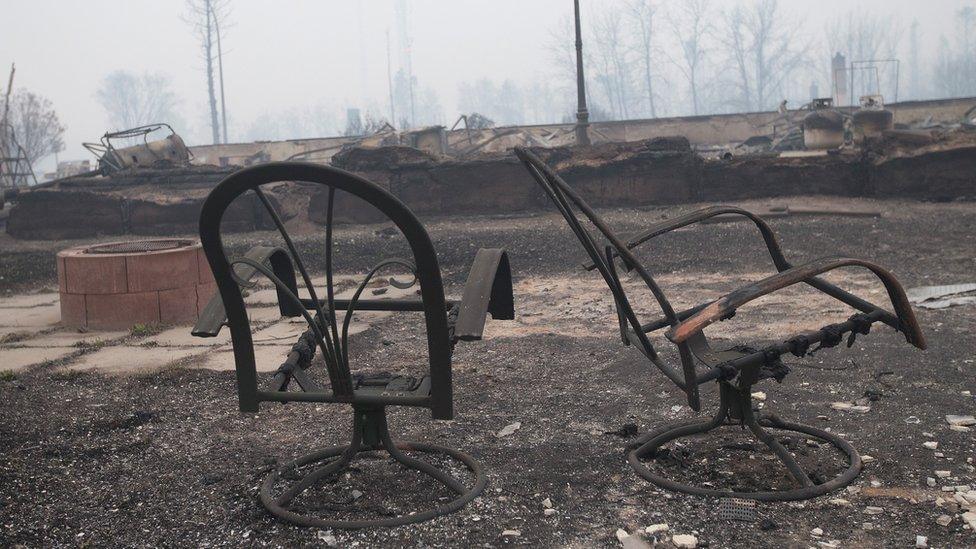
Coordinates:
(138, 246)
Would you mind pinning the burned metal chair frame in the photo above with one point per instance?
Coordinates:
(488, 290)
(736, 369)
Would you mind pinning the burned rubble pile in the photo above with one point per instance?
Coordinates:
(926, 162)
(136, 201)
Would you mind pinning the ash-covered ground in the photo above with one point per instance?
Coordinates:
(157, 454)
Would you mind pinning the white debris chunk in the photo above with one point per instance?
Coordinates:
(943, 520)
(685, 541)
(816, 532)
(942, 474)
(547, 503)
(970, 518)
(656, 529)
(549, 512)
(963, 421)
(867, 458)
(327, 537)
(921, 542)
(512, 533)
(759, 395)
(871, 510)
(930, 444)
(930, 481)
(840, 502)
(509, 429)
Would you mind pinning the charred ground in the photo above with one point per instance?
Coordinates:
(164, 458)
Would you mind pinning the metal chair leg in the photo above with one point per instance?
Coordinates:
(371, 432)
(739, 403)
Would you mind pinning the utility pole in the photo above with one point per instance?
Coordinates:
(220, 68)
(582, 115)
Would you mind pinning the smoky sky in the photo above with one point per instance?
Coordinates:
(292, 54)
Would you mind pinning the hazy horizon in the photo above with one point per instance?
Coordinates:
(324, 57)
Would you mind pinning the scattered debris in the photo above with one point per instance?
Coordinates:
(739, 509)
(940, 297)
(850, 407)
(327, 537)
(509, 429)
(656, 529)
(685, 541)
(627, 430)
(961, 421)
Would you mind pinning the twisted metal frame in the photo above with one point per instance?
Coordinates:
(737, 369)
(490, 279)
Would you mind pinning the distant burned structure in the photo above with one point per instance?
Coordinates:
(168, 151)
(920, 150)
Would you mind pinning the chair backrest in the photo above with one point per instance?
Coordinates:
(571, 205)
(329, 337)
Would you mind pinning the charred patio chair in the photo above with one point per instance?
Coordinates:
(739, 367)
(488, 290)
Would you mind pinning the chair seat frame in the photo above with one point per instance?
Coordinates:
(488, 290)
(736, 370)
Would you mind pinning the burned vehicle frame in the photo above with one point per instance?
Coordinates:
(488, 290)
(738, 368)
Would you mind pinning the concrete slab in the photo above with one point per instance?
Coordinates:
(29, 300)
(267, 358)
(19, 358)
(69, 338)
(32, 317)
(125, 359)
(180, 337)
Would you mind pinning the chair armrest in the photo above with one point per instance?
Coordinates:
(214, 317)
(488, 290)
(723, 307)
(697, 216)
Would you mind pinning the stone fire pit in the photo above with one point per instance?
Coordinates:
(120, 284)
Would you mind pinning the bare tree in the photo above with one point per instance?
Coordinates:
(205, 17)
(607, 38)
(765, 50)
(641, 14)
(955, 69)
(913, 68)
(35, 124)
(691, 26)
(132, 100)
(864, 36)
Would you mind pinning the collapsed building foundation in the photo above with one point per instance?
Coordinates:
(936, 163)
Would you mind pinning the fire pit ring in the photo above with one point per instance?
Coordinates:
(117, 285)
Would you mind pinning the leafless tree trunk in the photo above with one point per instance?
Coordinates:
(642, 13)
(913, 69)
(35, 124)
(131, 100)
(691, 27)
(765, 50)
(205, 17)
